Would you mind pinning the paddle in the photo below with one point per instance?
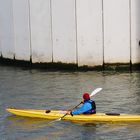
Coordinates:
(92, 94)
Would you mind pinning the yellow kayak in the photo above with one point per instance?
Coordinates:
(56, 114)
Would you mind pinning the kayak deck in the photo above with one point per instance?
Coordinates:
(56, 114)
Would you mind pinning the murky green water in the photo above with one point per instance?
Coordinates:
(63, 90)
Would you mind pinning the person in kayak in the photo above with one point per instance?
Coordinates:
(88, 107)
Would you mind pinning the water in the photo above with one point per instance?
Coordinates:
(63, 90)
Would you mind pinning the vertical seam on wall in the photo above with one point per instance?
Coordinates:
(30, 34)
(0, 47)
(13, 32)
(130, 34)
(51, 29)
(0, 43)
(76, 32)
(103, 32)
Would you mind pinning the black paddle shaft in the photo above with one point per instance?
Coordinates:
(77, 105)
(71, 109)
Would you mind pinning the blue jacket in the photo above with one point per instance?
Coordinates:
(87, 106)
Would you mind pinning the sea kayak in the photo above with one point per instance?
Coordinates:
(56, 114)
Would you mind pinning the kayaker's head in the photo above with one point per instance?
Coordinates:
(86, 96)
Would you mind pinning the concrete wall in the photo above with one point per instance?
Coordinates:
(83, 32)
(21, 30)
(7, 29)
(116, 31)
(40, 28)
(135, 31)
(64, 31)
(89, 32)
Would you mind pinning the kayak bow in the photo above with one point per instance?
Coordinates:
(55, 114)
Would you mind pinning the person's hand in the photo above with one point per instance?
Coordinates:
(68, 111)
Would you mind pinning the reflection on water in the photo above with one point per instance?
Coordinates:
(26, 123)
(63, 90)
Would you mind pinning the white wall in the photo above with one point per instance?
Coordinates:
(89, 32)
(21, 29)
(41, 41)
(71, 31)
(116, 31)
(0, 36)
(135, 31)
(64, 31)
(6, 28)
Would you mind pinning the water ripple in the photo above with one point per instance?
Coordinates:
(63, 90)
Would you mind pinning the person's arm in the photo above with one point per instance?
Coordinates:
(85, 107)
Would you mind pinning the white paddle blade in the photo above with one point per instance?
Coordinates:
(95, 91)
